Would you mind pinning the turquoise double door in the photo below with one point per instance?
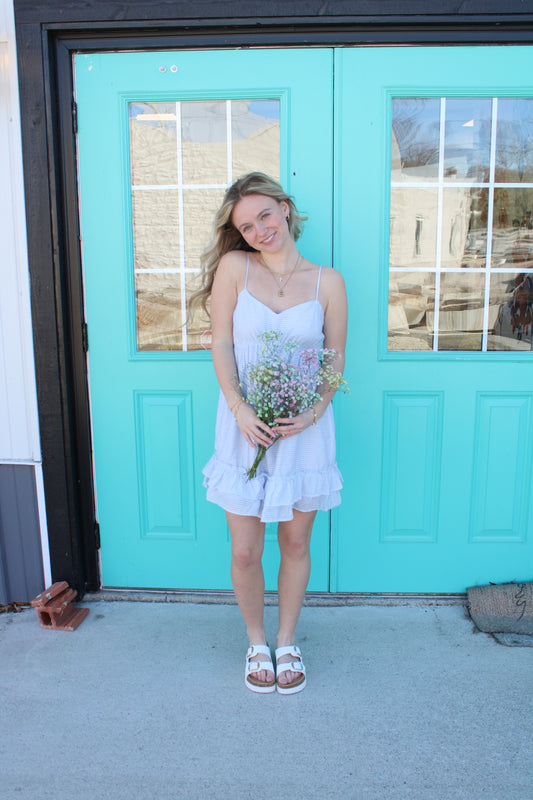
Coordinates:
(395, 156)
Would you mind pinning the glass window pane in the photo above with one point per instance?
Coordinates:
(155, 229)
(203, 142)
(197, 154)
(512, 240)
(158, 310)
(463, 220)
(199, 326)
(461, 311)
(514, 140)
(153, 153)
(511, 310)
(255, 129)
(413, 227)
(411, 303)
(464, 227)
(199, 209)
(467, 138)
(415, 138)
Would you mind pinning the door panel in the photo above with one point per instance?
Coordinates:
(433, 236)
(160, 136)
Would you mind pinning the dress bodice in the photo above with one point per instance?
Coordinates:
(302, 323)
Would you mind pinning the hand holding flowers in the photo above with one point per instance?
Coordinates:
(253, 429)
(284, 382)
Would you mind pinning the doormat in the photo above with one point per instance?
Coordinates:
(505, 610)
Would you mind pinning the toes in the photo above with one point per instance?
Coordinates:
(287, 677)
(263, 676)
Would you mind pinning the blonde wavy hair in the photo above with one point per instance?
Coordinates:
(226, 237)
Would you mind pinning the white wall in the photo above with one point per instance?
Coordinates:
(19, 429)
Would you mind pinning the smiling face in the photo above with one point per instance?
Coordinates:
(262, 222)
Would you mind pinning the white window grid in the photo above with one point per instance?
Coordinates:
(440, 184)
(183, 270)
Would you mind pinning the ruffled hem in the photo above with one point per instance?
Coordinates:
(272, 498)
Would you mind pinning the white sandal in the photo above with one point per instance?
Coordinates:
(291, 666)
(255, 664)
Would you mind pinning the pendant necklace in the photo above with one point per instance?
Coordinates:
(279, 276)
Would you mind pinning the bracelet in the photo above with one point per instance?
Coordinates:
(236, 406)
(315, 415)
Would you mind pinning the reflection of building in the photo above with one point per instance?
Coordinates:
(515, 317)
(414, 218)
(418, 226)
(162, 215)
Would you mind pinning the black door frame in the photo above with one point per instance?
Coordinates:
(48, 34)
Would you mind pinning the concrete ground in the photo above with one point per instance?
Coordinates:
(147, 700)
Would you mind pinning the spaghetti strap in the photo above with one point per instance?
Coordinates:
(318, 282)
(247, 268)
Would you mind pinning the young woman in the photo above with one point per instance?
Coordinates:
(258, 281)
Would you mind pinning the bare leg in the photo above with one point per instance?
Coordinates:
(247, 542)
(294, 539)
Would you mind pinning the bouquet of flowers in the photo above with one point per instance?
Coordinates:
(284, 381)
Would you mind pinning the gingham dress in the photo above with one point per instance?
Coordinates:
(296, 473)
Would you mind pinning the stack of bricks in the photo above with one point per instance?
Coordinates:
(55, 610)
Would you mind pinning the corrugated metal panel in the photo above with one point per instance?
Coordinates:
(21, 562)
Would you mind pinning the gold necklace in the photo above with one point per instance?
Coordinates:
(280, 275)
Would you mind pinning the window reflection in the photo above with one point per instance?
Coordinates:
(458, 237)
(158, 311)
(199, 328)
(203, 142)
(415, 138)
(413, 228)
(514, 140)
(183, 155)
(153, 152)
(513, 228)
(467, 138)
(255, 134)
(461, 311)
(411, 304)
(512, 297)
(199, 205)
(464, 227)
(155, 221)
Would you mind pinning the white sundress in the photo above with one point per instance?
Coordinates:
(296, 473)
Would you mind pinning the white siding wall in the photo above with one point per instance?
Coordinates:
(19, 431)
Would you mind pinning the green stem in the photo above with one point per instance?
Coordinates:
(259, 456)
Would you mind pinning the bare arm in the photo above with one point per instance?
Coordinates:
(335, 331)
(223, 300)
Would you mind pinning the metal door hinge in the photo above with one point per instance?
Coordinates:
(85, 337)
(97, 535)
(74, 117)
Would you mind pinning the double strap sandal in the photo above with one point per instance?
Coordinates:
(259, 657)
(290, 666)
